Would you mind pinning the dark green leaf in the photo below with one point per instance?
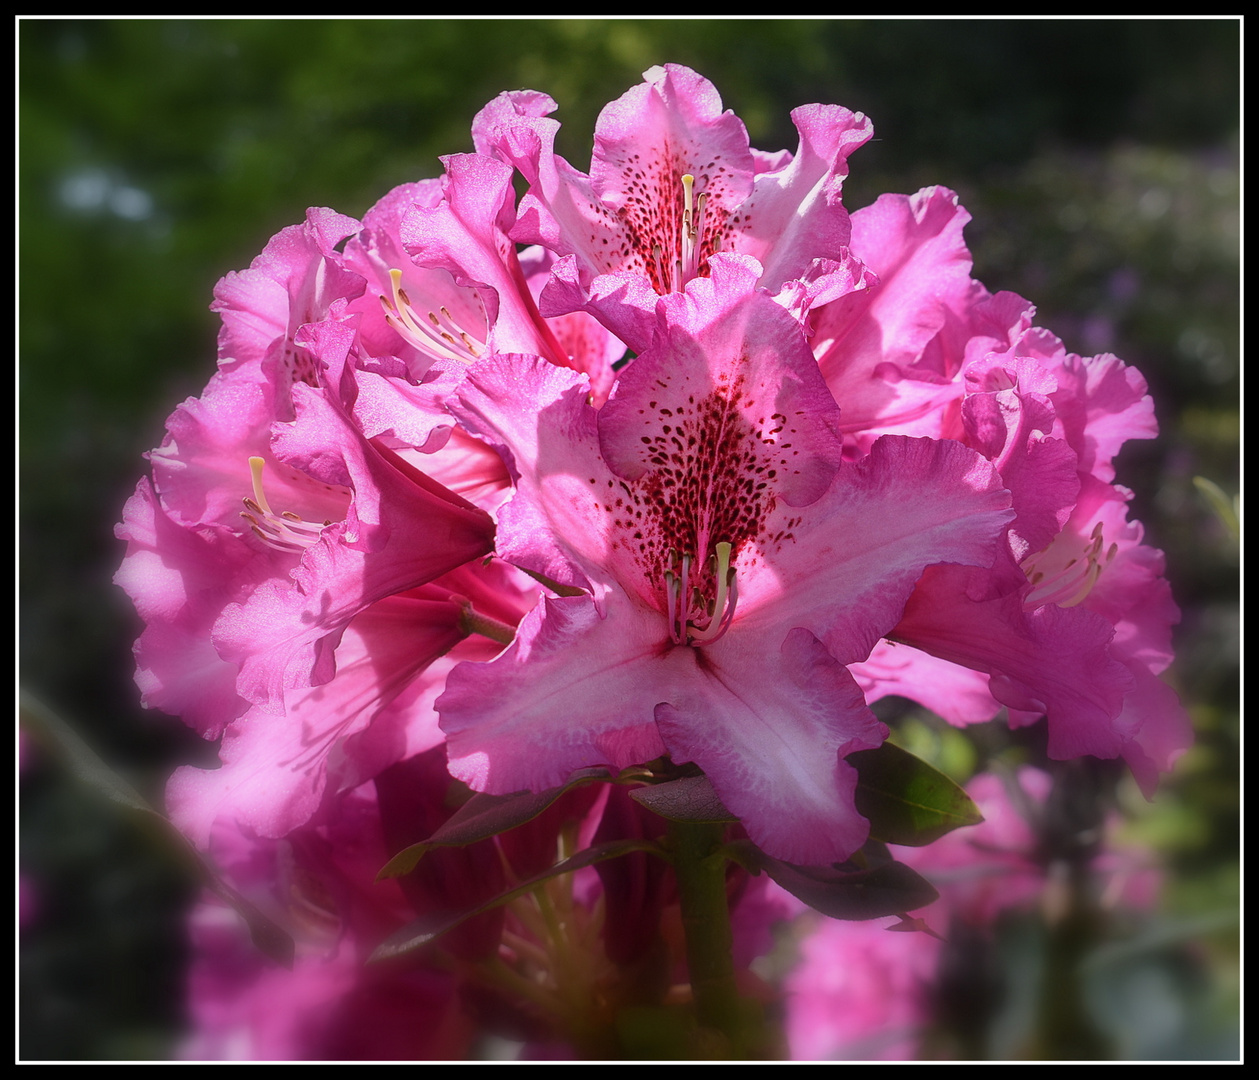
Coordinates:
(906, 800)
(431, 927)
(881, 887)
(692, 798)
(484, 816)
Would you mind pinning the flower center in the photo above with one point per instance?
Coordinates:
(285, 531)
(699, 615)
(706, 498)
(680, 246)
(1066, 582)
(435, 333)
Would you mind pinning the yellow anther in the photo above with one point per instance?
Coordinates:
(256, 465)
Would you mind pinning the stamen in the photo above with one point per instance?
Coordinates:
(692, 211)
(442, 337)
(285, 531)
(691, 618)
(723, 603)
(1072, 582)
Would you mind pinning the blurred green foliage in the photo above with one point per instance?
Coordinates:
(1099, 160)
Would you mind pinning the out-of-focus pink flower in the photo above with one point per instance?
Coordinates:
(319, 883)
(864, 992)
(585, 945)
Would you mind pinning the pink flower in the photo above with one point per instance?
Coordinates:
(282, 543)
(716, 563)
(1051, 629)
(673, 180)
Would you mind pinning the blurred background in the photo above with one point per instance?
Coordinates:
(1099, 160)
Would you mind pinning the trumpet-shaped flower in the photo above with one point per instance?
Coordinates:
(717, 564)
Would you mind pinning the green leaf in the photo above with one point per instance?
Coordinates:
(431, 927)
(692, 798)
(906, 800)
(868, 886)
(484, 816)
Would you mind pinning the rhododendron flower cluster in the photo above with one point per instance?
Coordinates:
(676, 461)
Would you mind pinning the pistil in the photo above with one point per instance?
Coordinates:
(692, 211)
(674, 269)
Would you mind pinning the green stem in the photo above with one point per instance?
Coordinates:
(701, 875)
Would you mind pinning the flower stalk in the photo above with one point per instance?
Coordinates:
(700, 868)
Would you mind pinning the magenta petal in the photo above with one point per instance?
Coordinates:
(730, 368)
(873, 346)
(1162, 729)
(276, 768)
(514, 128)
(292, 282)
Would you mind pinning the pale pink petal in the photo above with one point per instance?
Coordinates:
(576, 688)
(771, 731)
(795, 214)
(849, 564)
(180, 580)
(957, 694)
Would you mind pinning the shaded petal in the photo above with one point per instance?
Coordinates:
(574, 689)
(1008, 416)
(465, 234)
(1051, 660)
(402, 530)
(1162, 729)
(538, 417)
